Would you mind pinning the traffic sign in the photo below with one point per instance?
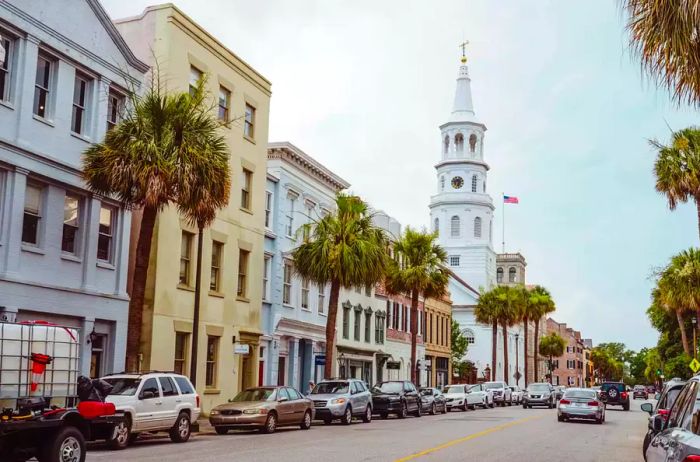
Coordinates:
(694, 365)
(320, 360)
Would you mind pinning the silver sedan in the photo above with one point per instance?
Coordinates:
(580, 403)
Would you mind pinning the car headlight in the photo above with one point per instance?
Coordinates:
(214, 412)
(338, 401)
(254, 411)
(395, 398)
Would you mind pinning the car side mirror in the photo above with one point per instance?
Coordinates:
(657, 396)
(648, 408)
(148, 394)
(656, 423)
(283, 399)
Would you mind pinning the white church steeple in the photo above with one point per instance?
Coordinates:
(463, 107)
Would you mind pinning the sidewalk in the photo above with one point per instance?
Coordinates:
(202, 426)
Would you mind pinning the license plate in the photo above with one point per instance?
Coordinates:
(578, 404)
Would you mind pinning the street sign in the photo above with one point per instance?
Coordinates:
(320, 360)
(517, 375)
(694, 365)
(241, 349)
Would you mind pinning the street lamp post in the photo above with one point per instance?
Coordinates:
(695, 338)
(517, 369)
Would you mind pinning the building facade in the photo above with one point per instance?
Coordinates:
(233, 249)
(63, 250)
(299, 190)
(568, 369)
(438, 341)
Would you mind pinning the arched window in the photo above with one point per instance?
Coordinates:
(436, 226)
(454, 226)
(474, 180)
(512, 275)
(472, 142)
(469, 335)
(477, 227)
(459, 142)
(446, 144)
(442, 183)
(499, 275)
(484, 185)
(491, 236)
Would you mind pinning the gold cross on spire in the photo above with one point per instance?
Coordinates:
(463, 46)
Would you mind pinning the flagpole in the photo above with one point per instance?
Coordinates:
(503, 206)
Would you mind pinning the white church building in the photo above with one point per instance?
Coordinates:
(462, 213)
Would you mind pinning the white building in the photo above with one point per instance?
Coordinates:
(63, 250)
(462, 213)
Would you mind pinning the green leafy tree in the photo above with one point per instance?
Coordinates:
(167, 150)
(552, 345)
(417, 270)
(604, 361)
(653, 364)
(539, 303)
(638, 365)
(458, 352)
(663, 33)
(343, 249)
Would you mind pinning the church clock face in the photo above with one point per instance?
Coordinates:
(457, 182)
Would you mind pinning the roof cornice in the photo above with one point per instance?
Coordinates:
(480, 163)
(287, 152)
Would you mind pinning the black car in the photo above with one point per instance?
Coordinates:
(398, 397)
(640, 391)
(615, 394)
(668, 396)
(434, 400)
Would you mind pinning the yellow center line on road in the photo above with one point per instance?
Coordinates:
(468, 438)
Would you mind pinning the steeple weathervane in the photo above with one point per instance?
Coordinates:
(463, 46)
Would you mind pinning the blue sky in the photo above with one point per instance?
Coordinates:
(362, 86)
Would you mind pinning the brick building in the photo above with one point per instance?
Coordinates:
(568, 369)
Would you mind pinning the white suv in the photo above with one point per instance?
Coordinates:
(153, 402)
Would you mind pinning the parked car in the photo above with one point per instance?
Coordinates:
(456, 397)
(264, 409)
(539, 394)
(517, 394)
(485, 397)
(398, 397)
(640, 391)
(667, 397)
(651, 389)
(341, 400)
(153, 402)
(559, 392)
(615, 394)
(580, 403)
(433, 399)
(677, 438)
(501, 392)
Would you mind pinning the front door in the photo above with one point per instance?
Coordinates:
(281, 369)
(97, 357)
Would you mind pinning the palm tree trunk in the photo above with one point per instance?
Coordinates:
(681, 326)
(534, 353)
(494, 352)
(414, 334)
(527, 369)
(697, 208)
(138, 287)
(330, 328)
(195, 316)
(506, 377)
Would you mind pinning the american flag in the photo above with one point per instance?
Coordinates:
(510, 200)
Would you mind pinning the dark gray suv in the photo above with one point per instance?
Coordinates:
(341, 400)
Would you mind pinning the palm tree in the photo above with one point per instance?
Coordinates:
(539, 304)
(417, 269)
(166, 146)
(488, 311)
(664, 35)
(677, 168)
(343, 249)
(550, 346)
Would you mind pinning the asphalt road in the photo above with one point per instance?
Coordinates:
(500, 434)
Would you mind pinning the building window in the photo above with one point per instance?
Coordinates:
(446, 144)
(266, 277)
(454, 260)
(104, 240)
(356, 325)
(212, 355)
(216, 251)
(472, 142)
(195, 75)
(42, 84)
(32, 214)
(242, 273)
(321, 299)
(246, 180)
(477, 227)
(474, 183)
(290, 217)
(378, 329)
(185, 257)
(368, 327)
(80, 94)
(224, 104)
(181, 349)
(305, 294)
(7, 46)
(469, 335)
(499, 275)
(71, 217)
(115, 106)
(442, 183)
(459, 142)
(249, 127)
(436, 226)
(268, 209)
(454, 226)
(512, 275)
(346, 322)
(287, 283)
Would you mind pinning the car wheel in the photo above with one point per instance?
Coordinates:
(306, 423)
(626, 407)
(68, 445)
(122, 435)
(368, 415)
(510, 403)
(492, 405)
(403, 413)
(433, 409)
(270, 423)
(419, 410)
(347, 416)
(180, 432)
(221, 430)
(560, 418)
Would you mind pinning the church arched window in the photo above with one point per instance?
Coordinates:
(477, 227)
(472, 142)
(442, 183)
(512, 275)
(446, 144)
(469, 335)
(436, 226)
(484, 185)
(459, 142)
(499, 275)
(474, 180)
(454, 226)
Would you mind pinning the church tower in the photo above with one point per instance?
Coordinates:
(462, 211)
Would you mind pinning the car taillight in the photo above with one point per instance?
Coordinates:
(692, 459)
(593, 403)
(624, 395)
(197, 399)
(663, 413)
(564, 401)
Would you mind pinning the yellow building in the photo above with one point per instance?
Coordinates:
(438, 337)
(232, 273)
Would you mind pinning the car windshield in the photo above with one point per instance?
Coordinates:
(454, 389)
(123, 386)
(608, 386)
(474, 388)
(330, 388)
(580, 394)
(388, 387)
(492, 385)
(256, 394)
(640, 387)
(538, 387)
